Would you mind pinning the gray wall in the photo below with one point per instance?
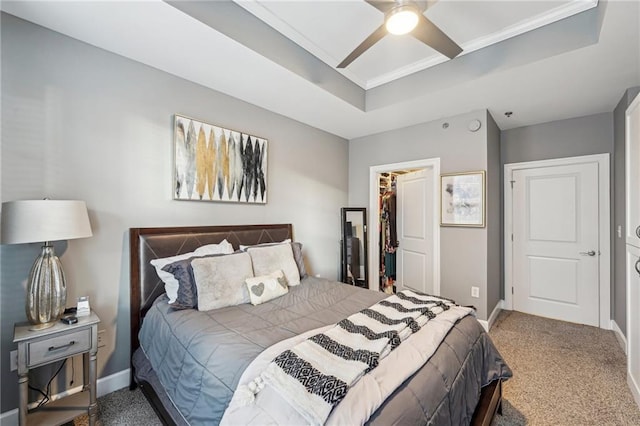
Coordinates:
(463, 251)
(494, 216)
(82, 123)
(588, 135)
(619, 287)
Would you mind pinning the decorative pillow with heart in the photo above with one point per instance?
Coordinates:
(267, 287)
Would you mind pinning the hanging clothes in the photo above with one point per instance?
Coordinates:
(388, 238)
(389, 211)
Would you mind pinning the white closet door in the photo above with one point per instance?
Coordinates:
(633, 321)
(633, 246)
(633, 172)
(414, 257)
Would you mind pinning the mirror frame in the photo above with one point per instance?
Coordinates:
(343, 258)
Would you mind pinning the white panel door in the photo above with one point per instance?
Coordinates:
(555, 242)
(633, 321)
(414, 258)
(632, 130)
(633, 246)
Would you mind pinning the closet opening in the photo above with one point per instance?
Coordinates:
(388, 230)
(404, 249)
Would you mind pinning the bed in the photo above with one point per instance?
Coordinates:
(461, 383)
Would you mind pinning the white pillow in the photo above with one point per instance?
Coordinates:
(243, 248)
(170, 282)
(270, 258)
(220, 280)
(267, 287)
(224, 245)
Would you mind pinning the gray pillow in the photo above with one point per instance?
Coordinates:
(220, 280)
(170, 283)
(267, 259)
(297, 256)
(187, 292)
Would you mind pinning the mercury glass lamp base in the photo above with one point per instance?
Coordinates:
(46, 289)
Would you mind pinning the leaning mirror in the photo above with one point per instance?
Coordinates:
(354, 246)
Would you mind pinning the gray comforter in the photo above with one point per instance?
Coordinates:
(199, 356)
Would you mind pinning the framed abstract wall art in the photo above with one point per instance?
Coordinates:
(217, 164)
(462, 199)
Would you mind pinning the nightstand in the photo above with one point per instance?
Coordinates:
(41, 347)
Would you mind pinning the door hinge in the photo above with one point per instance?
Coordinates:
(512, 182)
(512, 237)
(511, 290)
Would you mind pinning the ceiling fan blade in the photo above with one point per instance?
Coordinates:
(428, 33)
(366, 44)
(382, 5)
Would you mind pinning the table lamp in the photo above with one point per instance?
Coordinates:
(30, 221)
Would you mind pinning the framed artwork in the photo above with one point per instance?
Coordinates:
(217, 164)
(462, 199)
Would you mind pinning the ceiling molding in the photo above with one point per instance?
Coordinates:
(597, 50)
(258, 9)
(233, 21)
(554, 15)
(261, 11)
(541, 20)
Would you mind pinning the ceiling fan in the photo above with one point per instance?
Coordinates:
(402, 17)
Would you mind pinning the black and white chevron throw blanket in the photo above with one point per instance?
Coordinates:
(316, 374)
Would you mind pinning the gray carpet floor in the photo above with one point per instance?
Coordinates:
(564, 374)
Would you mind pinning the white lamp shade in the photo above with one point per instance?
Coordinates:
(31, 221)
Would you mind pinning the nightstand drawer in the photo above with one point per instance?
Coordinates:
(60, 347)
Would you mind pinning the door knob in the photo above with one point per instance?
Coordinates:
(638, 231)
(588, 253)
(638, 266)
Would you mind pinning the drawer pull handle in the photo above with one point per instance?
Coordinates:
(55, 348)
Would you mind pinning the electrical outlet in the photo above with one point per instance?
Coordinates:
(13, 357)
(101, 342)
(475, 291)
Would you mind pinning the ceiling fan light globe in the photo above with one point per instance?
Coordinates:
(401, 20)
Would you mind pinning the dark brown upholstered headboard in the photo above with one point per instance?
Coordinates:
(146, 244)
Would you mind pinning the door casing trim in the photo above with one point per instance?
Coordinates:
(604, 217)
(374, 214)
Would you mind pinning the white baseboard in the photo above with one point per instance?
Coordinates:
(105, 385)
(620, 337)
(492, 318)
(635, 389)
(9, 418)
(114, 382)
